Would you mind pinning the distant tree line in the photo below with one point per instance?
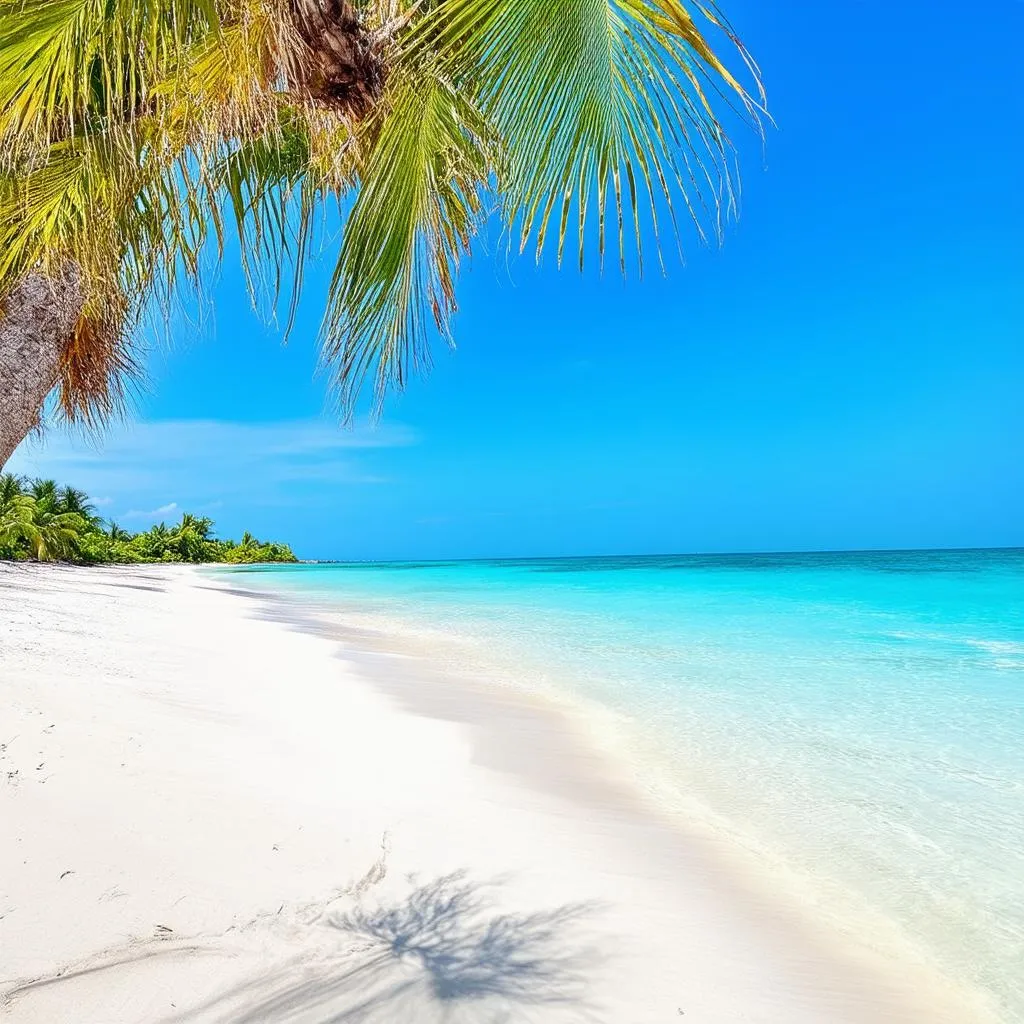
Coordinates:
(43, 522)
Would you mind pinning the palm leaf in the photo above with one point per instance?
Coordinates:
(604, 108)
(67, 63)
(132, 130)
(17, 522)
(275, 183)
(418, 206)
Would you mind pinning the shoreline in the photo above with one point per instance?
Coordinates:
(588, 756)
(608, 760)
(281, 732)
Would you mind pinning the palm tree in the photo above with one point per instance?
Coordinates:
(70, 499)
(16, 514)
(201, 526)
(117, 532)
(33, 523)
(155, 541)
(40, 520)
(190, 538)
(11, 486)
(55, 535)
(44, 492)
(581, 122)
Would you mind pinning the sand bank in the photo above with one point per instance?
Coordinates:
(208, 814)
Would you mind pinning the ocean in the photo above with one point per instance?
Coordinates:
(854, 722)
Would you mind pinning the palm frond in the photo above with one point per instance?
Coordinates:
(132, 132)
(97, 369)
(11, 486)
(17, 521)
(230, 83)
(69, 63)
(604, 106)
(271, 186)
(418, 206)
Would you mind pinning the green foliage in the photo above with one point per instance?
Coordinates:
(47, 523)
(131, 134)
(17, 526)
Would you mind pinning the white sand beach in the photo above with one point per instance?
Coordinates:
(207, 814)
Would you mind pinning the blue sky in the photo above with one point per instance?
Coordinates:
(845, 372)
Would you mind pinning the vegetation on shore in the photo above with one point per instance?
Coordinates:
(43, 522)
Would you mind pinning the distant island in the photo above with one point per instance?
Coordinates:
(41, 521)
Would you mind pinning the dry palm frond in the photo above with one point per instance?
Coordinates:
(96, 367)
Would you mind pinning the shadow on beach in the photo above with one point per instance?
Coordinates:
(442, 954)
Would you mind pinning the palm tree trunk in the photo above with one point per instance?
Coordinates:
(36, 321)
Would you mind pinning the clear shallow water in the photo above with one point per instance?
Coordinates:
(856, 721)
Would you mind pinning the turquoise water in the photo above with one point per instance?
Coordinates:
(854, 721)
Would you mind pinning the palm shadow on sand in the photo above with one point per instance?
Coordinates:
(445, 953)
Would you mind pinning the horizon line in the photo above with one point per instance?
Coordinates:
(664, 554)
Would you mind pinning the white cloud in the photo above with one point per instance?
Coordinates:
(208, 464)
(154, 515)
